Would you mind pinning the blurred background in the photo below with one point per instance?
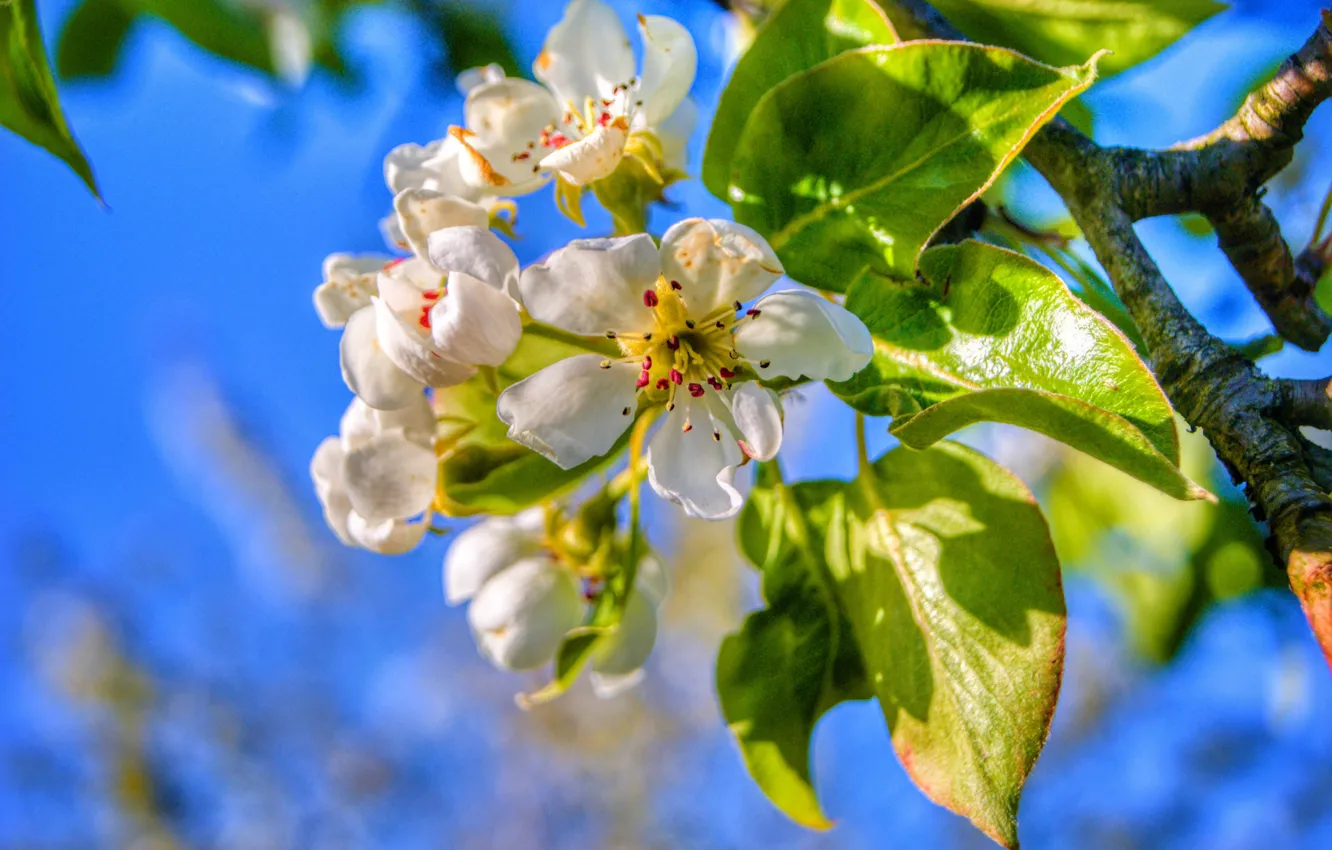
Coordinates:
(189, 659)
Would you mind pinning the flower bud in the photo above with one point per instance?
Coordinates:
(521, 614)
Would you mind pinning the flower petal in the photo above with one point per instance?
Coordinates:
(653, 579)
(475, 323)
(405, 166)
(799, 333)
(573, 410)
(390, 536)
(473, 77)
(757, 414)
(592, 157)
(361, 422)
(477, 252)
(674, 134)
(694, 467)
(492, 545)
(390, 477)
(368, 371)
(670, 61)
(587, 54)
(349, 282)
(595, 285)
(412, 350)
(326, 472)
(717, 262)
(521, 614)
(504, 120)
(421, 212)
(489, 167)
(629, 647)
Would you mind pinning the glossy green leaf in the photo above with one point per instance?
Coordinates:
(855, 164)
(29, 104)
(475, 38)
(930, 583)
(1062, 32)
(795, 38)
(92, 39)
(945, 568)
(484, 471)
(990, 335)
(792, 661)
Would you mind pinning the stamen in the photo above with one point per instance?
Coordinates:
(626, 411)
(650, 298)
(676, 377)
(763, 364)
(689, 323)
(647, 362)
(714, 383)
(670, 405)
(738, 306)
(647, 337)
(643, 379)
(610, 334)
(726, 374)
(662, 383)
(696, 390)
(721, 326)
(430, 295)
(675, 285)
(673, 343)
(733, 354)
(716, 435)
(605, 364)
(752, 312)
(688, 426)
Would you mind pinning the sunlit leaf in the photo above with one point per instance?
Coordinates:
(228, 30)
(930, 583)
(1062, 32)
(990, 335)
(855, 164)
(475, 38)
(29, 104)
(798, 36)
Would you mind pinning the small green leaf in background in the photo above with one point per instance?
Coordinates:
(855, 164)
(475, 38)
(994, 336)
(795, 659)
(937, 569)
(1062, 32)
(223, 29)
(92, 39)
(798, 36)
(29, 104)
(485, 471)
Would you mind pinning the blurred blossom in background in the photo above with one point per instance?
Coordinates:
(189, 658)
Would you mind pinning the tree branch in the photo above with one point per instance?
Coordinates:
(1251, 420)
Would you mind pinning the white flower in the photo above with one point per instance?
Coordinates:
(431, 172)
(411, 324)
(677, 314)
(524, 601)
(376, 480)
(591, 110)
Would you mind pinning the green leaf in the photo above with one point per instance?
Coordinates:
(945, 567)
(792, 661)
(798, 36)
(484, 471)
(475, 38)
(29, 104)
(929, 583)
(92, 39)
(856, 163)
(1062, 32)
(991, 335)
(223, 29)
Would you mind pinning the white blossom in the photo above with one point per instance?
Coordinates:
(376, 480)
(410, 323)
(688, 343)
(590, 110)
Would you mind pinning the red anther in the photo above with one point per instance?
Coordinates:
(662, 383)
(726, 374)
(604, 119)
(673, 343)
(609, 102)
(714, 383)
(650, 298)
(521, 155)
(425, 317)
(644, 379)
(391, 263)
(696, 390)
(430, 295)
(676, 377)
(647, 362)
(675, 285)
(752, 312)
(689, 426)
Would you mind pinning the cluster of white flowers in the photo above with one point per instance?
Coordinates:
(695, 332)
